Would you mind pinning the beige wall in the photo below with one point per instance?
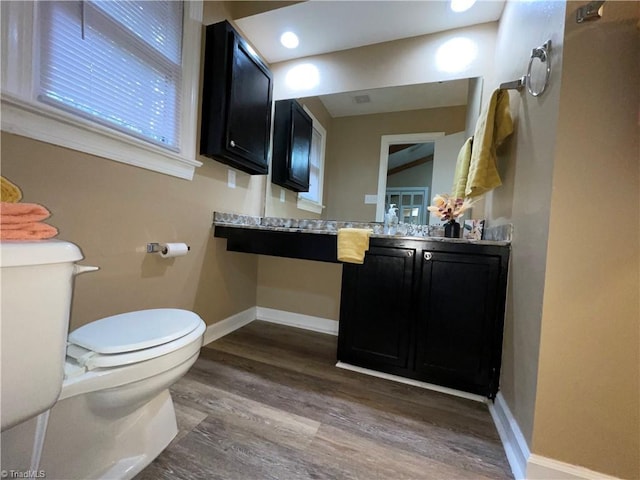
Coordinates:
(300, 286)
(112, 210)
(524, 198)
(570, 364)
(589, 368)
(353, 155)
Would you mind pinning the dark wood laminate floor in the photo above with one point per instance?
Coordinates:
(267, 402)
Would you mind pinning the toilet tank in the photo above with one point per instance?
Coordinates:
(36, 280)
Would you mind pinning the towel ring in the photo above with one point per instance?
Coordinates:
(543, 54)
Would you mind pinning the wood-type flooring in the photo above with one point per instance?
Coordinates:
(267, 402)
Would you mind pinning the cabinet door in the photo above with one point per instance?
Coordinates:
(456, 320)
(292, 134)
(376, 308)
(236, 102)
(249, 109)
(300, 147)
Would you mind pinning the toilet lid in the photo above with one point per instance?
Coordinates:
(135, 330)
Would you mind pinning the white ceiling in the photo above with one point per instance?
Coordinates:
(410, 154)
(326, 26)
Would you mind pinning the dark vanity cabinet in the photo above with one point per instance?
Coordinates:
(376, 309)
(236, 102)
(430, 311)
(292, 132)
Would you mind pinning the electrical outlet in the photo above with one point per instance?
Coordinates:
(231, 179)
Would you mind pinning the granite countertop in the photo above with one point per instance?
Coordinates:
(499, 235)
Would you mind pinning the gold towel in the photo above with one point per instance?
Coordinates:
(462, 170)
(352, 243)
(9, 192)
(493, 127)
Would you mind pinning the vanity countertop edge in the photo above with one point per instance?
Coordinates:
(499, 235)
(317, 239)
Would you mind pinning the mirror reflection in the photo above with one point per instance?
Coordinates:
(409, 173)
(389, 145)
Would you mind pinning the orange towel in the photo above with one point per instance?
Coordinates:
(22, 213)
(27, 231)
(21, 221)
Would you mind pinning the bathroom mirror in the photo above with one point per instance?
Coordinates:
(404, 137)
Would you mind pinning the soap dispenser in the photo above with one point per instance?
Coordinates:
(391, 220)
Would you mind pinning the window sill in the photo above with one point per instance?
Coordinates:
(309, 205)
(52, 126)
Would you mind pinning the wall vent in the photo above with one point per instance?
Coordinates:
(362, 99)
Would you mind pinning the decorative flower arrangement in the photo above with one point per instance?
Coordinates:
(449, 208)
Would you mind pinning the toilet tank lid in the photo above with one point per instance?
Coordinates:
(17, 253)
(138, 330)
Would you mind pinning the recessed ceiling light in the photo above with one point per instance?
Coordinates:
(289, 39)
(461, 5)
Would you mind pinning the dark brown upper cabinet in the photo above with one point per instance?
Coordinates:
(292, 133)
(236, 102)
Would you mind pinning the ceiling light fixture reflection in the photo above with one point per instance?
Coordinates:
(461, 5)
(289, 39)
(252, 51)
(456, 55)
(302, 77)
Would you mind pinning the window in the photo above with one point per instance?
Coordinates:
(116, 79)
(312, 200)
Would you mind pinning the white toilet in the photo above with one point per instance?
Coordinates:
(114, 413)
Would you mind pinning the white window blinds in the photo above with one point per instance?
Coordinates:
(115, 63)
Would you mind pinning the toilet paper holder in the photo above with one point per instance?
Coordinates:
(156, 247)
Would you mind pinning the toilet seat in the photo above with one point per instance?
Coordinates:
(133, 337)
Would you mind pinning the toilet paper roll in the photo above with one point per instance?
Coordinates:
(170, 250)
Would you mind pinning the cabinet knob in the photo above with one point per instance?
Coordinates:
(232, 143)
(409, 253)
(427, 255)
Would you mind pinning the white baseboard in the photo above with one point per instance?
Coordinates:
(543, 468)
(308, 322)
(410, 381)
(228, 325)
(527, 465)
(513, 441)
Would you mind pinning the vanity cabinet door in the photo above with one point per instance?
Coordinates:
(236, 102)
(457, 323)
(376, 310)
(292, 133)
